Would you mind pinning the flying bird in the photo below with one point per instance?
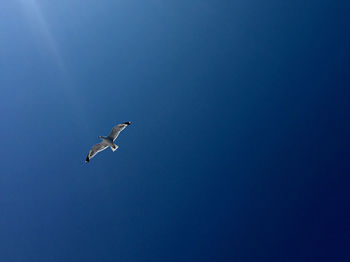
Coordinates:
(107, 141)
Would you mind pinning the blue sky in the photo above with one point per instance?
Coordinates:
(238, 148)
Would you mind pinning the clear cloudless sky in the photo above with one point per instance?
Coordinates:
(238, 148)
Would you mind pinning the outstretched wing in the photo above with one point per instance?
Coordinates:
(117, 129)
(95, 149)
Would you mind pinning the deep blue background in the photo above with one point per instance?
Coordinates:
(239, 147)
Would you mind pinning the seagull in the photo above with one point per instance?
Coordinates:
(107, 141)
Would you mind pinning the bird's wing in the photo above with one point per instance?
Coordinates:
(95, 149)
(117, 129)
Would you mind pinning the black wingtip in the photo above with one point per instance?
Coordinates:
(127, 123)
(87, 159)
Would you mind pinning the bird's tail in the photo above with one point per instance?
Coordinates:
(114, 147)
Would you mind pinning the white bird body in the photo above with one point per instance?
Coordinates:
(107, 141)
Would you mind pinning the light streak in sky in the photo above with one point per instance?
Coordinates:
(36, 17)
(39, 24)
